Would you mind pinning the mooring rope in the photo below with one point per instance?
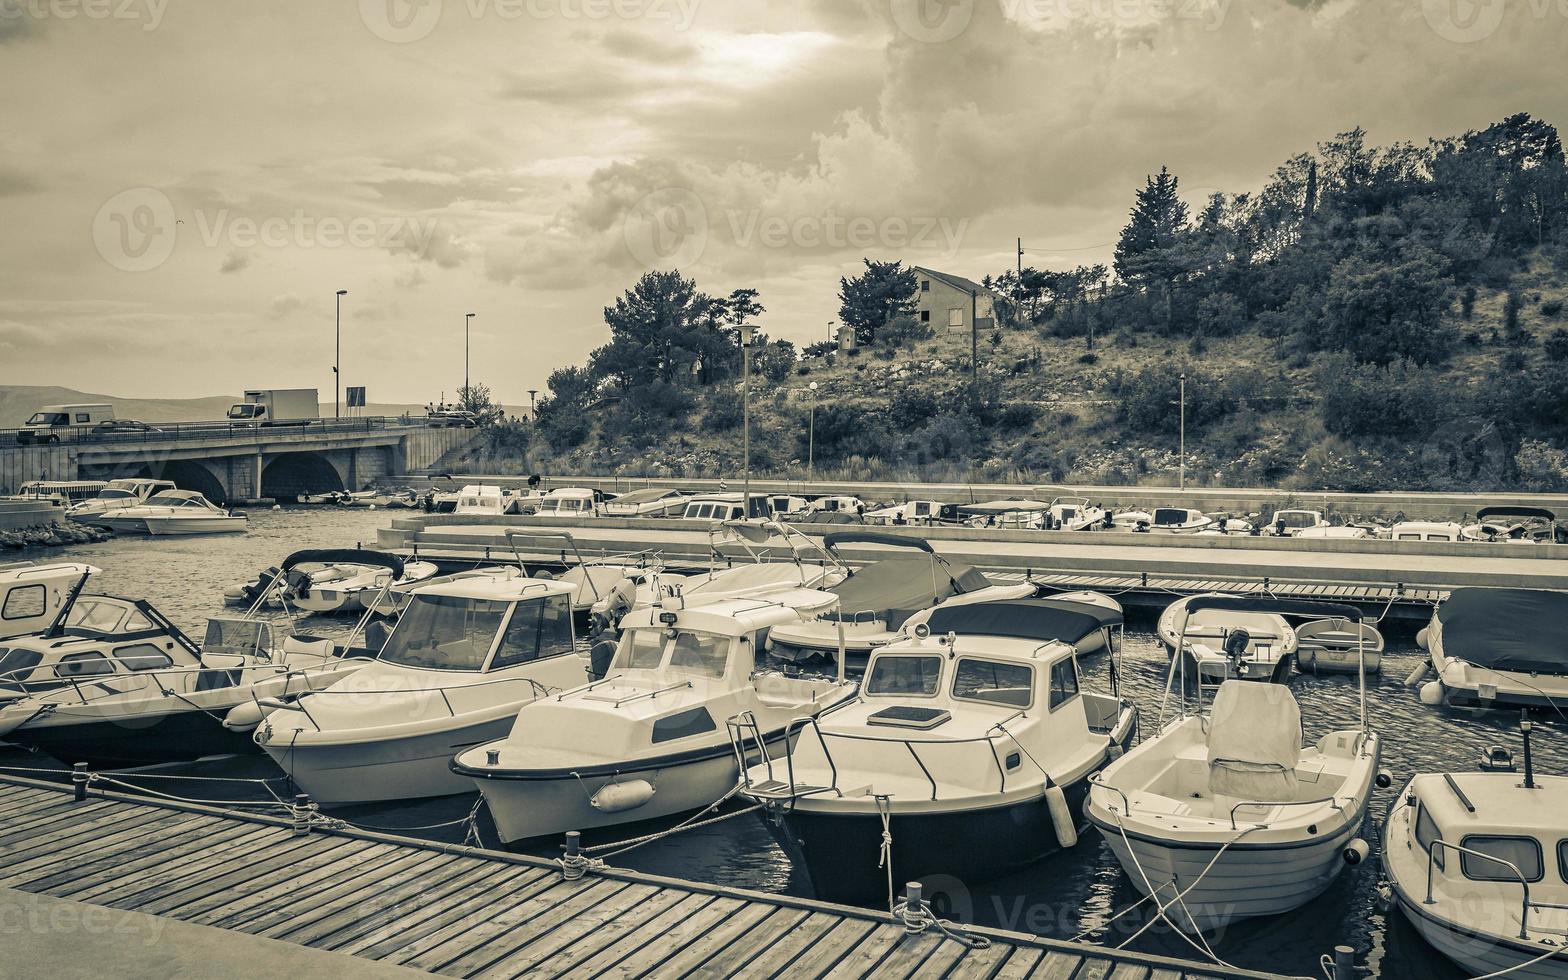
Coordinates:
(885, 858)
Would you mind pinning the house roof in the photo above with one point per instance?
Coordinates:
(957, 282)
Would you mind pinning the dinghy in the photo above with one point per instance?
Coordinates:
(1223, 815)
(1251, 641)
(965, 755)
(649, 741)
(1338, 646)
(347, 579)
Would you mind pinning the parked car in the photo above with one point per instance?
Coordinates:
(452, 419)
(111, 426)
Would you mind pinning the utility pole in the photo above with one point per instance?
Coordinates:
(745, 415)
(1184, 430)
(1020, 262)
(811, 435)
(467, 319)
(337, 358)
(974, 338)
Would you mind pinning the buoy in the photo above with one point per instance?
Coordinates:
(244, 717)
(1421, 637)
(1432, 693)
(1417, 674)
(1385, 779)
(620, 797)
(277, 506)
(1061, 816)
(1356, 852)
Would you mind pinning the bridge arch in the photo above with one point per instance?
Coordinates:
(289, 475)
(191, 474)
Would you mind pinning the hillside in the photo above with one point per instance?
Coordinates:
(18, 402)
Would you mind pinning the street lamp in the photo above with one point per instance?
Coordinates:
(337, 356)
(746, 332)
(531, 393)
(811, 434)
(467, 395)
(1183, 430)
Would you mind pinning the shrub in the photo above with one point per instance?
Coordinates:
(724, 410)
(910, 408)
(1556, 345)
(1401, 400)
(1221, 315)
(903, 331)
(1090, 358)
(1552, 307)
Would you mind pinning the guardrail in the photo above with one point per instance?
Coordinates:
(191, 431)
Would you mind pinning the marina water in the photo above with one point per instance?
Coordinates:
(1070, 895)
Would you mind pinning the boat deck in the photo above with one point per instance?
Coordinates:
(462, 911)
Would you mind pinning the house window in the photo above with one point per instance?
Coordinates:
(955, 317)
(925, 316)
(83, 418)
(925, 285)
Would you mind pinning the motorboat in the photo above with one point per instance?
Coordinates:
(923, 512)
(836, 504)
(568, 503)
(1291, 523)
(348, 579)
(1499, 648)
(1515, 525)
(154, 713)
(1223, 815)
(876, 599)
(1478, 863)
(720, 508)
(647, 502)
(463, 659)
(1075, 514)
(1014, 514)
(1221, 641)
(482, 499)
(787, 505)
(1089, 622)
(1343, 532)
(1178, 520)
(652, 739)
(174, 512)
(32, 596)
(117, 495)
(594, 580)
(1136, 521)
(1223, 524)
(1338, 646)
(1426, 531)
(392, 600)
(964, 757)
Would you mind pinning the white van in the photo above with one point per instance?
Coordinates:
(49, 422)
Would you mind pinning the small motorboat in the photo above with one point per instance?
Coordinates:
(1075, 514)
(876, 599)
(1478, 864)
(1338, 646)
(463, 659)
(650, 740)
(174, 512)
(1089, 622)
(1014, 514)
(594, 580)
(647, 502)
(569, 503)
(396, 597)
(117, 495)
(1515, 525)
(923, 512)
(1224, 636)
(1224, 524)
(1344, 532)
(1291, 523)
(1223, 815)
(1426, 531)
(482, 500)
(1499, 648)
(32, 596)
(1137, 521)
(966, 756)
(1178, 520)
(347, 579)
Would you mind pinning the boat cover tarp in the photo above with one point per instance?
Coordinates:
(1536, 513)
(1254, 742)
(1024, 619)
(345, 556)
(1507, 629)
(872, 537)
(1004, 507)
(1268, 604)
(894, 589)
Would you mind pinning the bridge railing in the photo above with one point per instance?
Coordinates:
(166, 432)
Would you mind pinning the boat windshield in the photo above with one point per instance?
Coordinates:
(445, 633)
(694, 654)
(1296, 519)
(917, 676)
(112, 493)
(1167, 515)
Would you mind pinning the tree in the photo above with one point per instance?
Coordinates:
(1155, 250)
(774, 361)
(1382, 312)
(869, 301)
(476, 399)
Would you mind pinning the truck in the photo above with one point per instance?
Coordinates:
(50, 422)
(277, 406)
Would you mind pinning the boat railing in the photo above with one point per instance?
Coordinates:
(299, 701)
(1524, 884)
(1096, 782)
(1332, 801)
(161, 677)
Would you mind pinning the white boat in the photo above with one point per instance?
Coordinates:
(1132, 520)
(647, 502)
(924, 512)
(1178, 520)
(396, 597)
(1478, 864)
(1076, 514)
(875, 600)
(964, 757)
(1499, 648)
(1344, 532)
(786, 505)
(1426, 531)
(117, 495)
(31, 596)
(1338, 646)
(348, 579)
(1246, 642)
(1223, 815)
(481, 499)
(174, 512)
(568, 503)
(650, 741)
(837, 504)
(462, 660)
(1514, 525)
(723, 507)
(1291, 523)
(594, 580)
(1225, 525)
(1015, 514)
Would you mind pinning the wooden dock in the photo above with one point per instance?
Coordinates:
(467, 912)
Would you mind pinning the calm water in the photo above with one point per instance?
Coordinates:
(1069, 895)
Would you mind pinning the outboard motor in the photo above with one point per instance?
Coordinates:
(600, 655)
(1236, 644)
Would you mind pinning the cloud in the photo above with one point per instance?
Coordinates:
(284, 305)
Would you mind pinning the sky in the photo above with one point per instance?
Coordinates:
(186, 184)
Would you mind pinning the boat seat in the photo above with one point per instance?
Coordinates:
(1254, 742)
(314, 646)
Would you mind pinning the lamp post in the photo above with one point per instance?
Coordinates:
(1183, 469)
(467, 319)
(746, 332)
(337, 356)
(531, 393)
(811, 435)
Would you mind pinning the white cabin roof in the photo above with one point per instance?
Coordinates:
(1502, 804)
(736, 617)
(498, 590)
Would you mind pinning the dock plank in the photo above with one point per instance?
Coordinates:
(692, 908)
(603, 901)
(233, 894)
(867, 955)
(355, 891)
(431, 926)
(1024, 963)
(813, 945)
(476, 934)
(607, 933)
(706, 956)
(47, 871)
(154, 865)
(392, 917)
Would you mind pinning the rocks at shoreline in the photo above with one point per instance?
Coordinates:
(54, 535)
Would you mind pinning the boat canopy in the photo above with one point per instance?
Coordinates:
(1025, 619)
(1004, 507)
(897, 588)
(1268, 604)
(344, 556)
(1533, 513)
(872, 537)
(1507, 629)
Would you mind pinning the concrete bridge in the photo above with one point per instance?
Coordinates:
(238, 462)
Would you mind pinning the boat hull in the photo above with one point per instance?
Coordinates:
(1479, 954)
(407, 767)
(174, 736)
(187, 526)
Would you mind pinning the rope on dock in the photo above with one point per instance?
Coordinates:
(915, 913)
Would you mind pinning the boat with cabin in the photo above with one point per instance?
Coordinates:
(1075, 514)
(1499, 648)
(31, 596)
(920, 512)
(117, 495)
(174, 512)
(569, 503)
(1178, 520)
(1515, 525)
(1012, 514)
(647, 502)
(1291, 523)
